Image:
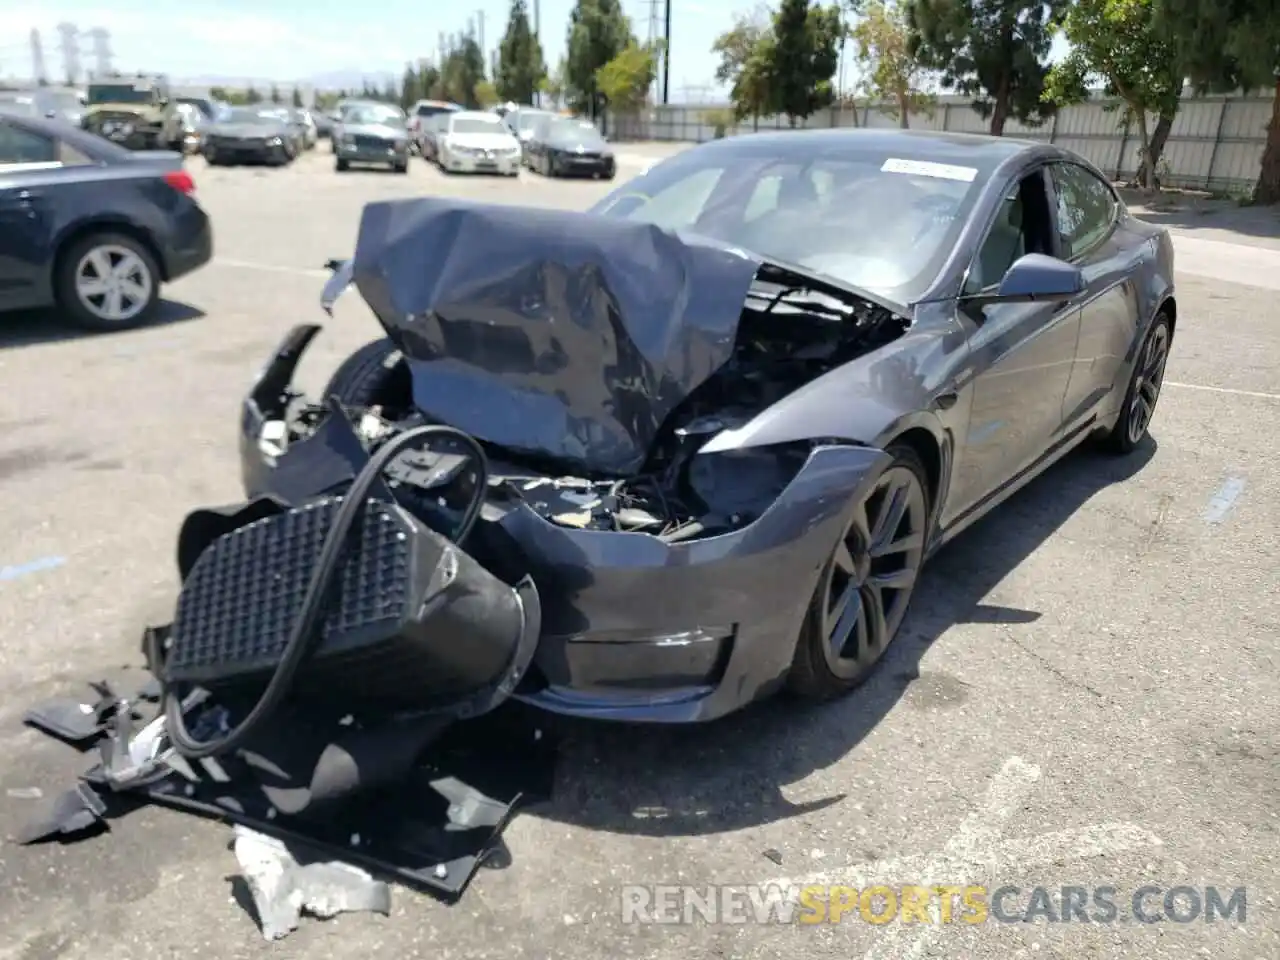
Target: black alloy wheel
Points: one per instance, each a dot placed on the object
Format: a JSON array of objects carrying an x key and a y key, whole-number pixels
[
  {"x": 1144, "y": 390},
  {"x": 866, "y": 587}
]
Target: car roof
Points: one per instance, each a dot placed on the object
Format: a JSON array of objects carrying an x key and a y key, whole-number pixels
[{"x": 478, "y": 115}]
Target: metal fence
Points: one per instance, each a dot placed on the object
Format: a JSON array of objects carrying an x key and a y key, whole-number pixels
[{"x": 1216, "y": 142}]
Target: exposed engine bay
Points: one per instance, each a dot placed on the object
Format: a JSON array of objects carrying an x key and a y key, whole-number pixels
[{"x": 792, "y": 330}]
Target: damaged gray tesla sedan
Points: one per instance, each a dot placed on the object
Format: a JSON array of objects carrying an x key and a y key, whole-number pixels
[{"x": 726, "y": 415}]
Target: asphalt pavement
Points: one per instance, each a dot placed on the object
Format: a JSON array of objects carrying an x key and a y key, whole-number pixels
[{"x": 1086, "y": 693}]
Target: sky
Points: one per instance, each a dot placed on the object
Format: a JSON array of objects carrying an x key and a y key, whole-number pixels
[{"x": 291, "y": 41}]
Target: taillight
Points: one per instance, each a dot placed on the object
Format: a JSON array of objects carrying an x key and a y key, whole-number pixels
[{"x": 181, "y": 181}]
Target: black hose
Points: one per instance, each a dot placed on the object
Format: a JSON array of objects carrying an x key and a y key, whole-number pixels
[{"x": 306, "y": 628}]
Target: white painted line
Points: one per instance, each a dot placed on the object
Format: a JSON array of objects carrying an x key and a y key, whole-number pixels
[
  {"x": 977, "y": 851},
  {"x": 1221, "y": 260},
  {"x": 267, "y": 267},
  {"x": 1227, "y": 390}
]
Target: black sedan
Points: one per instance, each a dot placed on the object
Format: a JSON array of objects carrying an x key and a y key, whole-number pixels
[
  {"x": 90, "y": 226},
  {"x": 568, "y": 147},
  {"x": 248, "y": 135},
  {"x": 720, "y": 421}
]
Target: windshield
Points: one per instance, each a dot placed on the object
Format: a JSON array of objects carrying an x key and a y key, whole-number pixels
[
  {"x": 204, "y": 106},
  {"x": 575, "y": 131},
  {"x": 121, "y": 93},
  {"x": 476, "y": 125},
  {"x": 431, "y": 109},
  {"x": 262, "y": 118},
  {"x": 879, "y": 223},
  {"x": 382, "y": 116},
  {"x": 528, "y": 120}
]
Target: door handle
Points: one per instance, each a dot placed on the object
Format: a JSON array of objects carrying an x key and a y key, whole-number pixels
[{"x": 946, "y": 400}]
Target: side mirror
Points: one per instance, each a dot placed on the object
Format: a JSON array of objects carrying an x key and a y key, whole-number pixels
[{"x": 1034, "y": 278}]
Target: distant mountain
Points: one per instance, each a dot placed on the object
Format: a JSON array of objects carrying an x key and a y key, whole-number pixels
[{"x": 345, "y": 79}]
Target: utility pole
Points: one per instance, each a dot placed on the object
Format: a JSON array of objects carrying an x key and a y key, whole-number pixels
[
  {"x": 666, "y": 58},
  {"x": 70, "y": 45},
  {"x": 480, "y": 38},
  {"x": 37, "y": 59}
]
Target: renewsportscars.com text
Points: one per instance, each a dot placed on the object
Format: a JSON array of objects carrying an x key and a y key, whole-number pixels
[{"x": 933, "y": 904}]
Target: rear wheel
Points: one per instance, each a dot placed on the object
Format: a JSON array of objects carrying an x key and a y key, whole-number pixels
[
  {"x": 107, "y": 281},
  {"x": 375, "y": 375},
  {"x": 342, "y": 166},
  {"x": 866, "y": 585},
  {"x": 1144, "y": 390}
]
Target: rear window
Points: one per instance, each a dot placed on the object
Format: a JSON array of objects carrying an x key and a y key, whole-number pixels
[{"x": 431, "y": 109}]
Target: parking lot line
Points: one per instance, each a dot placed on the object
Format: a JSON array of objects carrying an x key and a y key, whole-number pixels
[
  {"x": 267, "y": 267},
  {"x": 1231, "y": 391}
]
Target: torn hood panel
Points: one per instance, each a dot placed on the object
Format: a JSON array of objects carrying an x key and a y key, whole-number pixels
[{"x": 548, "y": 332}]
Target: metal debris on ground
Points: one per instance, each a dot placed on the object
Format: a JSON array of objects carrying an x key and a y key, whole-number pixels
[{"x": 284, "y": 889}]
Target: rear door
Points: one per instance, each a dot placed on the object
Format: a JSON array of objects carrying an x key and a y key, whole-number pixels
[
  {"x": 27, "y": 159},
  {"x": 1092, "y": 236}
]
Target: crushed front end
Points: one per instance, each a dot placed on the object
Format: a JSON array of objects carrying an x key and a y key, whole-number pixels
[{"x": 672, "y": 580}]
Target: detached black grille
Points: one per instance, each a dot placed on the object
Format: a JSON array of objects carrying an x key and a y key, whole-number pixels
[{"x": 243, "y": 595}]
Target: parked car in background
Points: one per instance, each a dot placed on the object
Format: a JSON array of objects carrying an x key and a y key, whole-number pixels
[
  {"x": 90, "y": 227},
  {"x": 477, "y": 142},
  {"x": 297, "y": 131},
  {"x": 429, "y": 134},
  {"x": 138, "y": 114},
  {"x": 193, "y": 125},
  {"x": 420, "y": 112},
  {"x": 372, "y": 133},
  {"x": 207, "y": 107},
  {"x": 311, "y": 135},
  {"x": 522, "y": 121},
  {"x": 569, "y": 147},
  {"x": 248, "y": 135},
  {"x": 323, "y": 120}
]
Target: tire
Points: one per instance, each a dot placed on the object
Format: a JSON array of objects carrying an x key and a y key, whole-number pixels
[
  {"x": 401, "y": 168},
  {"x": 116, "y": 247},
  {"x": 1144, "y": 387},
  {"x": 816, "y": 673},
  {"x": 341, "y": 166},
  {"x": 374, "y": 375}
]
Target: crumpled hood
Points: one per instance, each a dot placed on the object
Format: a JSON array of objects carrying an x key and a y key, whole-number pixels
[{"x": 549, "y": 332}]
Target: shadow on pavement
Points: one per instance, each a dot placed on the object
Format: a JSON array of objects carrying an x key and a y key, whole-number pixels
[
  {"x": 1190, "y": 211},
  {"x": 729, "y": 775},
  {"x": 29, "y": 327}
]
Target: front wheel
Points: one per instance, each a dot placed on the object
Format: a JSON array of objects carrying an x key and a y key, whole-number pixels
[
  {"x": 1144, "y": 390},
  {"x": 375, "y": 375},
  {"x": 866, "y": 586},
  {"x": 341, "y": 166}
]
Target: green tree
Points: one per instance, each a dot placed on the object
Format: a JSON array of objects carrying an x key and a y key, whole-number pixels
[
  {"x": 1123, "y": 43},
  {"x": 275, "y": 94},
  {"x": 598, "y": 32},
  {"x": 891, "y": 74},
  {"x": 805, "y": 55},
  {"x": 297, "y": 97},
  {"x": 486, "y": 94},
  {"x": 745, "y": 52},
  {"x": 520, "y": 69},
  {"x": 251, "y": 95},
  {"x": 625, "y": 80},
  {"x": 1227, "y": 45},
  {"x": 410, "y": 87},
  {"x": 462, "y": 72},
  {"x": 993, "y": 51},
  {"x": 428, "y": 81}
]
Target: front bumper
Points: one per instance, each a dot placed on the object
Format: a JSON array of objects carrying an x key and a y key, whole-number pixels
[
  {"x": 232, "y": 151},
  {"x": 633, "y": 628},
  {"x": 504, "y": 164},
  {"x": 373, "y": 154},
  {"x": 577, "y": 165}
]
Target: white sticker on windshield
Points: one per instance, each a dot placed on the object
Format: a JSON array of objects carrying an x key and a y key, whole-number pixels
[{"x": 923, "y": 168}]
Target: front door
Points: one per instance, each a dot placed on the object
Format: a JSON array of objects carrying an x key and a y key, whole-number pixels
[{"x": 1020, "y": 355}]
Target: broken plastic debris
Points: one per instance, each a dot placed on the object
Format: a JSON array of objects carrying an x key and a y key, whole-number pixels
[
  {"x": 573, "y": 519},
  {"x": 282, "y": 889}
]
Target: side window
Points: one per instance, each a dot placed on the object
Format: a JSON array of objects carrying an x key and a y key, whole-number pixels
[
  {"x": 69, "y": 156},
  {"x": 22, "y": 146},
  {"x": 1005, "y": 243},
  {"x": 1086, "y": 208}
]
